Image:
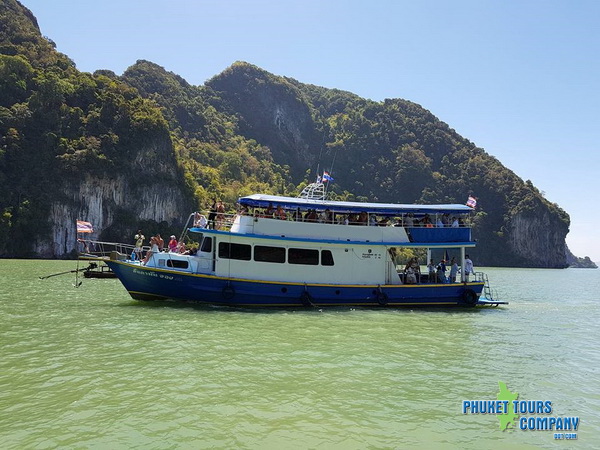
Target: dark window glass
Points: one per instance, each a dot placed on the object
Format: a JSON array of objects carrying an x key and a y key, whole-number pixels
[
  {"x": 177, "y": 264},
  {"x": 303, "y": 256},
  {"x": 326, "y": 258},
  {"x": 269, "y": 254},
  {"x": 206, "y": 245},
  {"x": 234, "y": 251}
]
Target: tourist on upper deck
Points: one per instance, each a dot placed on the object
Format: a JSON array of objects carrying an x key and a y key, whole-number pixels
[
  {"x": 269, "y": 211},
  {"x": 160, "y": 241},
  {"x": 363, "y": 218},
  {"x": 280, "y": 213},
  {"x": 220, "y": 215},
  {"x": 426, "y": 222},
  {"x": 200, "y": 220},
  {"x": 439, "y": 223},
  {"x": 212, "y": 215},
  {"x": 453, "y": 270},
  {"x": 409, "y": 221},
  {"x": 384, "y": 222},
  {"x": 446, "y": 220},
  {"x": 326, "y": 216},
  {"x": 297, "y": 216},
  {"x": 454, "y": 222}
]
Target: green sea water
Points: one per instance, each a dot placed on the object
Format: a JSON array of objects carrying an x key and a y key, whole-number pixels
[{"x": 89, "y": 367}]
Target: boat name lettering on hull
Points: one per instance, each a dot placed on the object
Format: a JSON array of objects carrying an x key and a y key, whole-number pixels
[{"x": 154, "y": 274}]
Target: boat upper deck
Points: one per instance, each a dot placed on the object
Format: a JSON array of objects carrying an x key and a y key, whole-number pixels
[
  {"x": 384, "y": 209},
  {"x": 280, "y": 217}
]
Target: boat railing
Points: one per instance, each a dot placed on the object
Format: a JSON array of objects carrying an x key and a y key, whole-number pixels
[
  {"x": 203, "y": 219},
  {"x": 92, "y": 249},
  {"x": 224, "y": 221}
]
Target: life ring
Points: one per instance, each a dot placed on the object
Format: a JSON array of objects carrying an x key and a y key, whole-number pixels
[
  {"x": 228, "y": 292},
  {"x": 382, "y": 297},
  {"x": 306, "y": 299},
  {"x": 469, "y": 298}
]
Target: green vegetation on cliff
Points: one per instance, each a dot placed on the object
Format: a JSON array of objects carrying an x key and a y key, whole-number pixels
[{"x": 244, "y": 131}]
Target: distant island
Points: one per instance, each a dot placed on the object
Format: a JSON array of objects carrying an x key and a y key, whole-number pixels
[
  {"x": 580, "y": 263},
  {"x": 146, "y": 148}
]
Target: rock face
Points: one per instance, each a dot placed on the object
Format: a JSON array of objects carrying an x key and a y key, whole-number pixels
[
  {"x": 271, "y": 111},
  {"x": 101, "y": 201},
  {"x": 537, "y": 240}
]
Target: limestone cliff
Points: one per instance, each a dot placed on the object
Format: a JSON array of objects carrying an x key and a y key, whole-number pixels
[
  {"x": 102, "y": 201},
  {"x": 537, "y": 240}
]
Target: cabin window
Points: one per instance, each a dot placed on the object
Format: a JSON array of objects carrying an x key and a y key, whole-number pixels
[
  {"x": 176, "y": 263},
  {"x": 269, "y": 254},
  {"x": 326, "y": 258},
  {"x": 206, "y": 245},
  {"x": 235, "y": 251},
  {"x": 303, "y": 256}
]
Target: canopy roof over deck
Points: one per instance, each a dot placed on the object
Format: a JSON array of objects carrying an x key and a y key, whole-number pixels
[{"x": 387, "y": 209}]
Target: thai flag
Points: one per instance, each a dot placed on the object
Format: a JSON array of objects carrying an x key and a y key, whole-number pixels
[
  {"x": 327, "y": 177},
  {"x": 472, "y": 201},
  {"x": 84, "y": 227}
]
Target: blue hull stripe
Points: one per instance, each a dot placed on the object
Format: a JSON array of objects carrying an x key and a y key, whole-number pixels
[
  {"x": 254, "y": 237},
  {"x": 146, "y": 283}
]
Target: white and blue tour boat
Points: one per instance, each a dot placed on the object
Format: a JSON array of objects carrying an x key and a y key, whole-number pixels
[{"x": 297, "y": 252}]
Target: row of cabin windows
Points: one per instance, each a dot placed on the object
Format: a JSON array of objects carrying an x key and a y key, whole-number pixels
[{"x": 265, "y": 253}]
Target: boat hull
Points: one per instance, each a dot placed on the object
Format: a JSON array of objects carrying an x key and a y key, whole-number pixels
[{"x": 146, "y": 283}]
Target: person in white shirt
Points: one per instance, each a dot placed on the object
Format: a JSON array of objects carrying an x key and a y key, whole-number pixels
[{"x": 469, "y": 269}]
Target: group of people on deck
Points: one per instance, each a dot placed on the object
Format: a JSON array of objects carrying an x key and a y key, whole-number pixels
[
  {"x": 360, "y": 218},
  {"x": 157, "y": 245},
  {"x": 441, "y": 221},
  {"x": 437, "y": 272}
]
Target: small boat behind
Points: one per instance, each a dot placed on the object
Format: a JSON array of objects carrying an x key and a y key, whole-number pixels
[{"x": 98, "y": 271}]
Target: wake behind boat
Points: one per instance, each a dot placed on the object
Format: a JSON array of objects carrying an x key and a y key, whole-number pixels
[{"x": 291, "y": 252}]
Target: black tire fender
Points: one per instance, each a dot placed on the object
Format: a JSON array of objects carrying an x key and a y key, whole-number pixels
[
  {"x": 382, "y": 297},
  {"x": 228, "y": 292},
  {"x": 469, "y": 298}
]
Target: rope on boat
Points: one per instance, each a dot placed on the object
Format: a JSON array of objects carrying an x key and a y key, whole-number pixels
[{"x": 91, "y": 266}]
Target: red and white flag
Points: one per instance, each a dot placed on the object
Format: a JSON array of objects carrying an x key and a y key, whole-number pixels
[{"x": 84, "y": 227}]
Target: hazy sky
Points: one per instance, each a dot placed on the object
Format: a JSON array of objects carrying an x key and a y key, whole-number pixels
[{"x": 518, "y": 78}]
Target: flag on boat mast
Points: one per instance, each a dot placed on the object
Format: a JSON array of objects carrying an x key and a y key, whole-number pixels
[
  {"x": 472, "y": 202},
  {"x": 327, "y": 177},
  {"x": 84, "y": 227}
]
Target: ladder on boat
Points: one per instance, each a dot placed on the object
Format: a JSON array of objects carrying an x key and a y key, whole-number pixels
[{"x": 487, "y": 290}]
